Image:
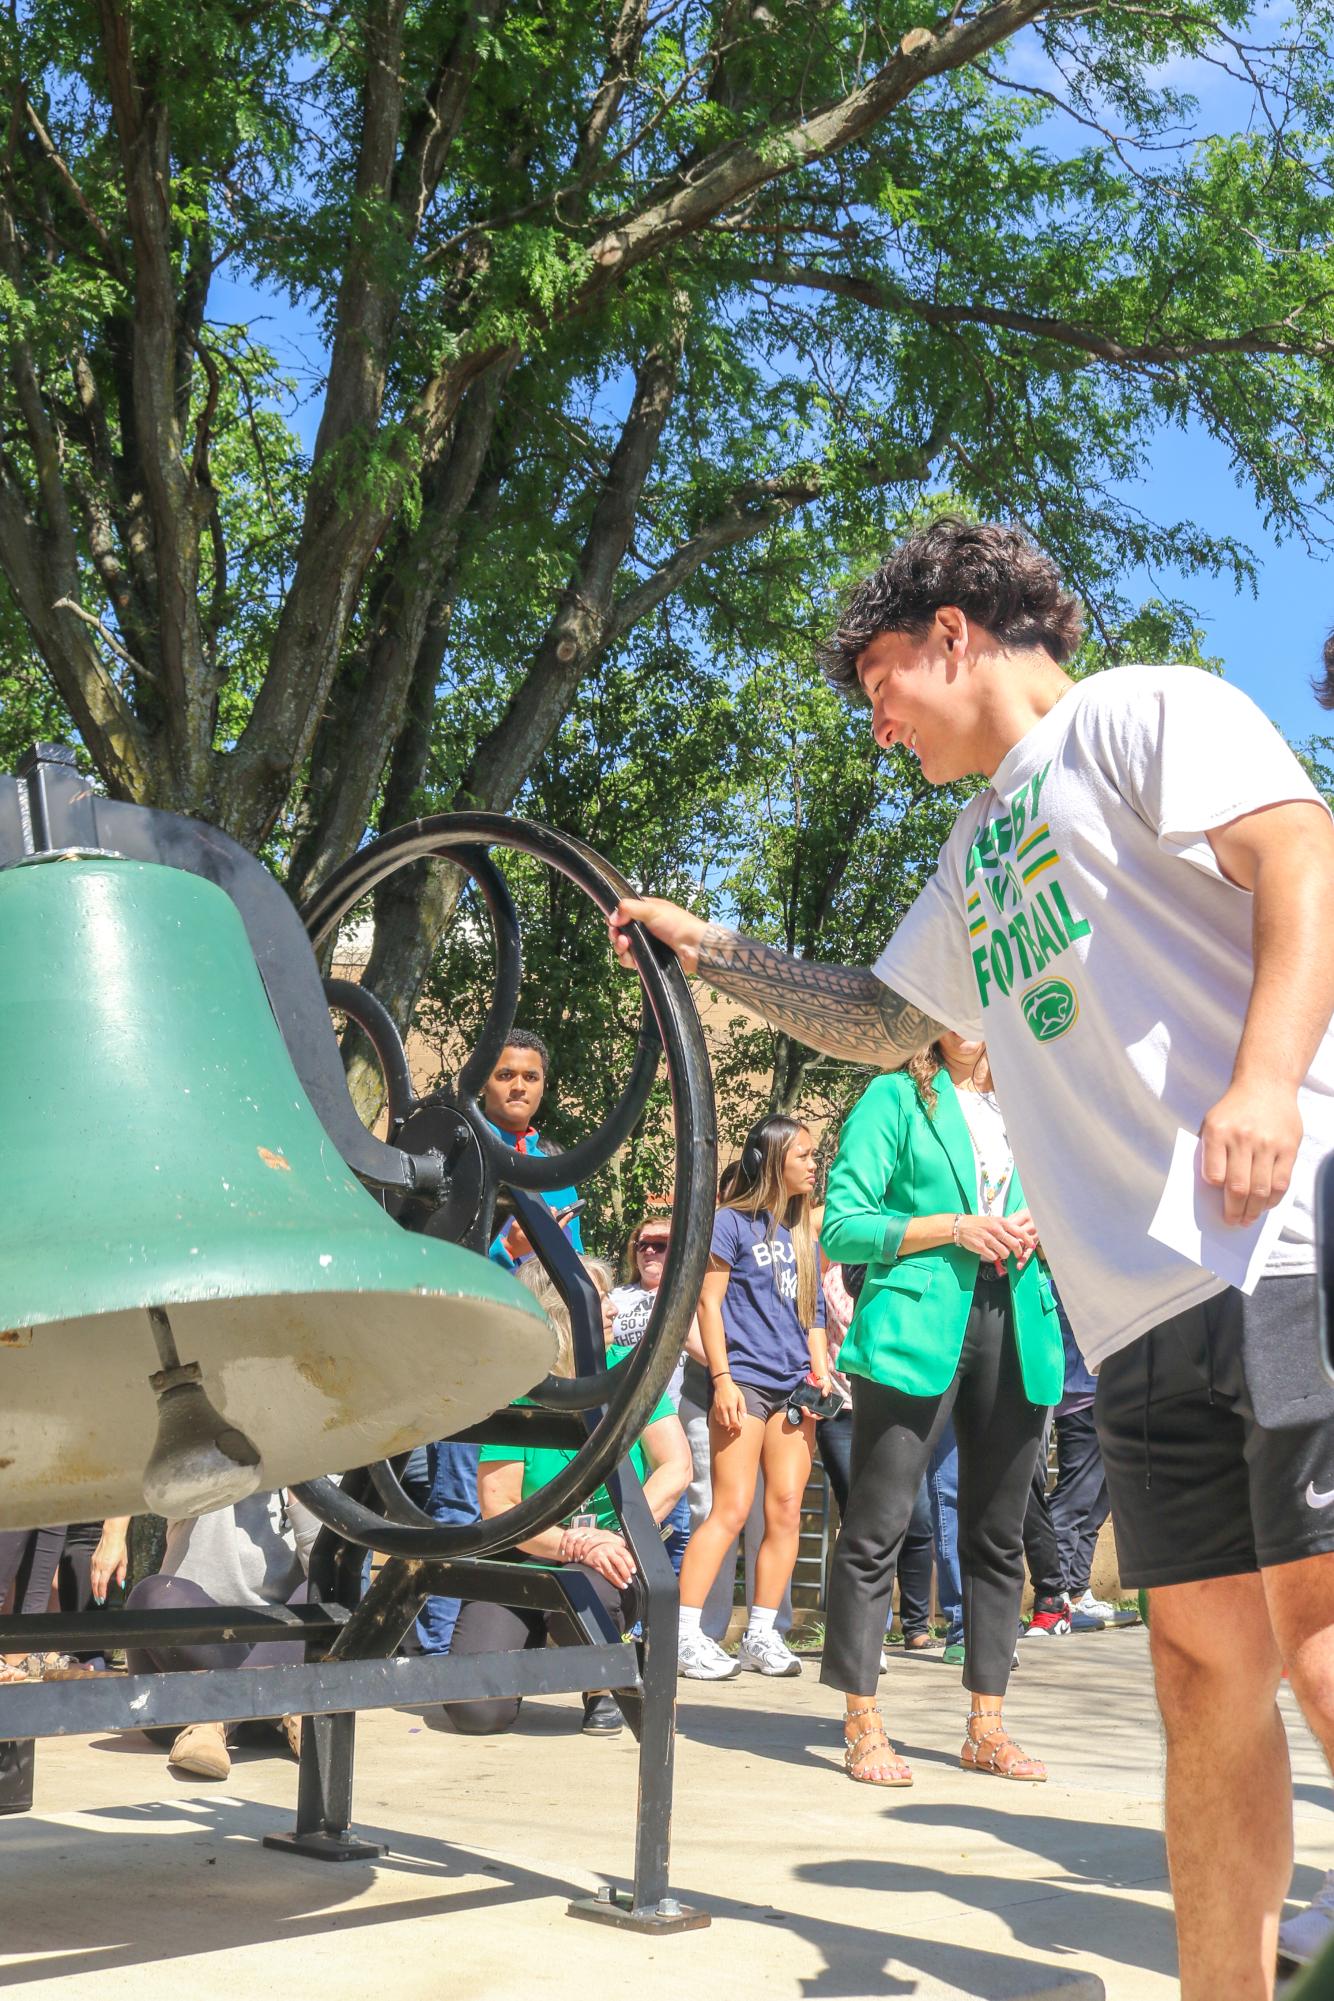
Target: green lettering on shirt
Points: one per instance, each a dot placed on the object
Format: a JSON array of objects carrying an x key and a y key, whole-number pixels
[
  {"x": 1075, "y": 927},
  {"x": 1030, "y": 959},
  {"x": 1050, "y": 941}
]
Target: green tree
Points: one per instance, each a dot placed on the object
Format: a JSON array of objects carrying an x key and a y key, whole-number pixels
[{"x": 606, "y": 297}]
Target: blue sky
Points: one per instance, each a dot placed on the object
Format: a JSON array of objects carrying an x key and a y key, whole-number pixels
[{"x": 1269, "y": 643}]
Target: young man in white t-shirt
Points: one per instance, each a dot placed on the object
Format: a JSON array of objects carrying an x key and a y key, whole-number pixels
[{"x": 1138, "y": 916}]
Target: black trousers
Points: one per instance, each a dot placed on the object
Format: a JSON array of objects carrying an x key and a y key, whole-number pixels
[
  {"x": 1041, "y": 1550},
  {"x": 484, "y": 1628},
  {"x": 1079, "y": 1503},
  {"x": 833, "y": 1435},
  {"x": 998, "y": 1431},
  {"x": 29, "y": 1559}
]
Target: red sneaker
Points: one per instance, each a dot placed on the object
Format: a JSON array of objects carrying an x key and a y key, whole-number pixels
[{"x": 1050, "y": 1615}]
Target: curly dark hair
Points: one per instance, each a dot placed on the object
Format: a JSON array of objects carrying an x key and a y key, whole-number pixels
[
  {"x": 528, "y": 1038},
  {"x": 1324, "y": 683},
  {"x": 994, "y": 574}
]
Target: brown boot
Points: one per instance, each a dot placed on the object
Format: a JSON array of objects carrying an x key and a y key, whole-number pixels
[
  {"x": 289, "y": 1729},
  {"x": 201, "y": 1748}
]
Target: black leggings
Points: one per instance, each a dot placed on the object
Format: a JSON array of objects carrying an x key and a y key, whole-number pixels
[
  {"x": 998, "y": 1430},
  {"x": 483, "y": 1628}
]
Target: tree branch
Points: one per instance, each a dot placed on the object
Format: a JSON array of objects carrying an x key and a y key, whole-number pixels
[
  {"x": 758, "y": 506},
  {"x": 622, "y": 54},
  {"x": 366, "y": 707},
  {"x": 28, "y": 557},
  {"x": 103, "y": 630},
  {"x": 884, "y": 297},
  {"x": 143, "y": 139},
  {"x": 577, "y": 633},
  {"x": 51, "y": 154},
  {"x": 436, "y": 125}
]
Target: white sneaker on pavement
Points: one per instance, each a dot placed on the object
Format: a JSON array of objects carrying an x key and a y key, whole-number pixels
[
  {"x": 1098, "y": 1609},
  {"x": 1302, "y": 1937},
  {"x": 701, "y": 1659},
  {"x": 767, "y": 1654}
]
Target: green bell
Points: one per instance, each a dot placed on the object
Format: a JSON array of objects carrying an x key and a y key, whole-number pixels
[{"x": 171, "y": 1207}]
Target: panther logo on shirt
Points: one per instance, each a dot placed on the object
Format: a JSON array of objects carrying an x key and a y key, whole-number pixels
[{"x": 1050, "y": 1008}]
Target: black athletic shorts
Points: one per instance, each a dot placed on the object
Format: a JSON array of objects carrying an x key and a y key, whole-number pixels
[{"x": 1217, "y": 1434}]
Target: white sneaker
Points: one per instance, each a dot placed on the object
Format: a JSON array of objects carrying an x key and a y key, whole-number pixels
[
  {"x": 1302, "y": 1937},
  {"x": 701, "y": 1659},
  {"x": 765, "y": 1653},
  {"x": 1099, "y": 1609},
  {"x": 1088, "y": 1614}
]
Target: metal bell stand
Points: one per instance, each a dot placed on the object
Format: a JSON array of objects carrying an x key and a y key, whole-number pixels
[{"x": 441, "y": 1172}]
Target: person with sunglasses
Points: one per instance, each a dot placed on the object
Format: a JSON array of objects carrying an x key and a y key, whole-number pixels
[{"x": 632, "y": 1302}]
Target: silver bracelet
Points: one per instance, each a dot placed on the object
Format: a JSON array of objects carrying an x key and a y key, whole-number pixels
[{"x": 954, "y": 1234}]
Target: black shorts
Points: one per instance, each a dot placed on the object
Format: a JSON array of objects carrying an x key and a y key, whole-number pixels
[
  {"x": 764, "y": 1403},
  {"x": 1217, "y": 1434}
]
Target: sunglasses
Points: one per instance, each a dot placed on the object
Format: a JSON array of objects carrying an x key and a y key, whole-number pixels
[{"x": 655, "y": 1246}]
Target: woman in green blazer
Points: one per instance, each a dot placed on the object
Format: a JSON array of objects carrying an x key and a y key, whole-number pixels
[{"x": 955, "y": 1318}]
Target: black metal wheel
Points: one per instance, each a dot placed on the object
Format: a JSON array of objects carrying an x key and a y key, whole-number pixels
[{"x": 612, "y": 1405}]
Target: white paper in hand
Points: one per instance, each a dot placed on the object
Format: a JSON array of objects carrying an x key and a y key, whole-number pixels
[{"x": 1189, "y": 1220}]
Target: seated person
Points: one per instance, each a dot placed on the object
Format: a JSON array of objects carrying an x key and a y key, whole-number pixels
[
  {"x": 509, "y": 1474},
  {"x": 255, "y": 1553}
]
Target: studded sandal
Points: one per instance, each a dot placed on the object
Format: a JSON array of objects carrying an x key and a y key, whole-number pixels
[
  {"x": 982, "y": 1751},
  {"x": 898, "y": 1772}
]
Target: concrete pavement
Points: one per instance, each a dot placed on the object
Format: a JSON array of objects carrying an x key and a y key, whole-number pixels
[{"x": 128, "y": 1882}]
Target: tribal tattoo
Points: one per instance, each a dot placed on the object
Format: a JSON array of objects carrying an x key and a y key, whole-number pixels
[{"x": 843, "y": 1010}]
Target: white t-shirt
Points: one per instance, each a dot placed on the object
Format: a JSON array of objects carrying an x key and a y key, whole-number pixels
[
  {"x": 633, "y": 1305},
  {"x": 991, "y": 1149},
  {"x": 1079, "y": 922}
]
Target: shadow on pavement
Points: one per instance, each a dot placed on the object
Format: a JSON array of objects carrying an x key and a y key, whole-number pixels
[{"x": 166, "y": 1912}]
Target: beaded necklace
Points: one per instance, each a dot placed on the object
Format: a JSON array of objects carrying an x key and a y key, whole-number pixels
[{"x": 989, "y": 1186}]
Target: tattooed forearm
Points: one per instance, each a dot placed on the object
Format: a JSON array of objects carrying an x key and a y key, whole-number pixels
[{"x": 843, "y": 1010}]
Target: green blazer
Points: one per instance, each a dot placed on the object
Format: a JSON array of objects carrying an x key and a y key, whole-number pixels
[{"x": 894, "y": 1163}]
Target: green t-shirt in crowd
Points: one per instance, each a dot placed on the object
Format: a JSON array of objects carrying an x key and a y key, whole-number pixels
[{"x": 541, "y": 1463}]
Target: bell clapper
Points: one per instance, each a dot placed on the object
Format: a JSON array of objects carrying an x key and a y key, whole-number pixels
[{"x": 200, "y": 1461}]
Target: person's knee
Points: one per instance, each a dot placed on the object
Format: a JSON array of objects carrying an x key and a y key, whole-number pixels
[
  {"x": 150, "y": 1594},
  {"x": 1211, "y": 1653},
  {"x": 1301, "y": 1604},
  {"x": 782, "y": 1510},
  {"x": 982, "y": 1553},
  {"x": 730, "y": 1512},
  {"x": 1312, "y": 1679}
]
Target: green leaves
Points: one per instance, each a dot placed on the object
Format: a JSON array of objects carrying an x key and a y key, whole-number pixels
[{"x": 1001, "y": 295}]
